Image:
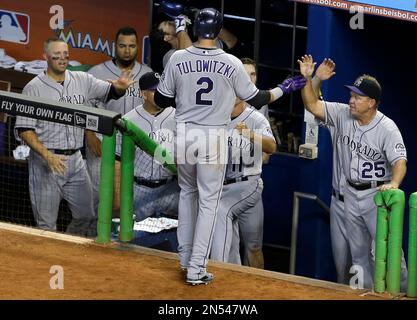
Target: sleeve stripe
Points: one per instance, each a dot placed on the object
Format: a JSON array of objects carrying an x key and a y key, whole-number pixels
[
  {"x": 251, "y": 96},
  {"x": 165, "y": 94},
  {"x": 398, "y": 158}
]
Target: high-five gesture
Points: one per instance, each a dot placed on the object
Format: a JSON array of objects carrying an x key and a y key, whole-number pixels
[
  {"x": 124, "y": 82},
  {"x": 326, "y": 69},
  {"x": 306, "y": 65}
]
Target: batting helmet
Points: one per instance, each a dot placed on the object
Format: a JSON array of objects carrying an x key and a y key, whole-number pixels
[
  {"x": 208, "y": 23},
  {"x": 171, "y": 9}
]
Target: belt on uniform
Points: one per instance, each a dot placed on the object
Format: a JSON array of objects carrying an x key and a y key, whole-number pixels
[
  {"x": 337, "y": 195},
  {"x": 67, "y": 152},
  {"x": 151, "y": 183},
  {"x": 366, "y": 186},
  {"x": 229, "y": 181}
]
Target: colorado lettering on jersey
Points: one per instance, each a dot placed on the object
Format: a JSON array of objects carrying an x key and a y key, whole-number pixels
[
  {"x": 162, "y": 136},
  {"x": 206, "y": 66},
  {"x": 75, "y": 99},
  {"x": 240, "y": 143},
  {"x": 133, "y": 92},
  {"x": 364, "y": 150}
]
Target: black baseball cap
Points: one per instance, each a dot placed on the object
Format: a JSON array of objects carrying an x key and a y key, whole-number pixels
[
  {"x": 367, "y": 86},
  {"x": 149, "y": 81}
]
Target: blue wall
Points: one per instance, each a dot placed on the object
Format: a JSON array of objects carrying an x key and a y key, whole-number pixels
[{"x": 384, "y": 49}]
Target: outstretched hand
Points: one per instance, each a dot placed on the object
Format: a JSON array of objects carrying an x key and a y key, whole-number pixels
[
  {"x": 125, "y": 81},
  {"x": 306, "y": 65},
  {"x": 326, "y": 69},
  {"x": 292, "y": 84}
]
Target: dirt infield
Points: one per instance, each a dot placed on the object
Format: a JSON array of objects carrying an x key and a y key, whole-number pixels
[{"x": 104, "y": 272}]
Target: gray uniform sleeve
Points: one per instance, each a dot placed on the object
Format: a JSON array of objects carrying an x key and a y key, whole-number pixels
[
  {"x": 394, "y": 146},
  {"x": 334, "y": 112},
  {"x": 265, "y": 128},
  {"x": 166, "y": 84},
  {"x": 24, "y": 122},
  {"x": 97, "y": 89},
  {"x": 244, "y": 88}
]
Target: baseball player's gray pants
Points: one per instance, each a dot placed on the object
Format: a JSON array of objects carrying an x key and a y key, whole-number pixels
[
  {"x": 154, "y": 201},
  {"x": 93, "y": 168},
  {"x": 47, "y": 189},
  {"x": 235, "y": 203},
  {"x": 201, "y": 165},
  {"x": 251, "y": 227},
  {"x": 360, "y": 225},
  {"x": 339, "y": 239}
]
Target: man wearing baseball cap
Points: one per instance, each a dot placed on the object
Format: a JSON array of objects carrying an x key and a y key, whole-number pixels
[
  {"x": 156, "y": 190},
  {"x": 367, "y": 86},
  {"x": 373, "y": 158}
]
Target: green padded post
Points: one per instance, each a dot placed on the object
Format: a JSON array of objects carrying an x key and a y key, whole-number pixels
[
  {"x": 105, "y": 207},
  {"x": 381, "y": 244},
  {"x": 394, "y": 202},
  {"x": 126, "y": 188},
  {"x": 412, "y": 248}
]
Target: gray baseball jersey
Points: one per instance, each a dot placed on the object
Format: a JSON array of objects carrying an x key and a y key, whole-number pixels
[
  {"x": 170, "y": 52},
  {"x": 132, "y": 98},
  {"x": 205, "y": 83},
  {"x": 367, "y": 154},
  {"x": 264, "y": 110},
  {"x": 164, "y": 199},
  {"x": 47, "y": 188},
  {"x": 239, "y": 199},
  {"x": 244, "y": 158},
  {"x": 78, "y": 88}
]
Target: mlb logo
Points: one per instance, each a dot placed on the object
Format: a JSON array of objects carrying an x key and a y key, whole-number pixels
[{"x": 14, "y": 27}]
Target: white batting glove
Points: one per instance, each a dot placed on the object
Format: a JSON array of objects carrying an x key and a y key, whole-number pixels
[{"x": 181, "y": 23}]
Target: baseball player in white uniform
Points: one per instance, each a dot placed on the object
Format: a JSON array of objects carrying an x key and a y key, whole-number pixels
[
  {"x": 203, "y": 81},
  {"x": 373, "y": 157},
  {"x": 156, "y": 189},
  {"x": 125, "y": 60},
  {"x": 56, "y": 167},
  {"x": 251, "y": 135},
  {"x": 338, "y": 234}
]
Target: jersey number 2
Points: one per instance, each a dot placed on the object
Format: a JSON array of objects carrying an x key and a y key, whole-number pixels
[{"x": 198, "y": 99}]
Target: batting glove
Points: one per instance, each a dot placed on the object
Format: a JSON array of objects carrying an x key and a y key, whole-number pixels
[
  {"x": 293, "y": 84},
  {"x": 181, "y": 23}
]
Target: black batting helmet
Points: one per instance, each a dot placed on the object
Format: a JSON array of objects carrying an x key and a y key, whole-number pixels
[{"x": 208, "y": 23}]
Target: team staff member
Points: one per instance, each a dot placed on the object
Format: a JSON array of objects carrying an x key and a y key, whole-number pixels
[
  {"x": 373, "y": 157},
  {"x": 125, "y": 61},
  {"x": 56, "y": 167},
  {"x": 156, "y": 189},
  {"x": 203, "y": 82}
]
